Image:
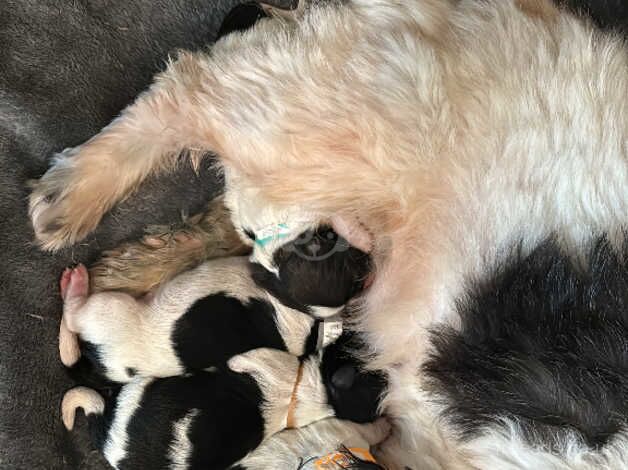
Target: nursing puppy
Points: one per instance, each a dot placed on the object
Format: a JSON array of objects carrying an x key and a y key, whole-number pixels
[
  {"x": 206, "y": 420},
  {"x": 207, "y": 315},
  {"x": 454, "y": 133},
  {"x": 304, "y": 448}
]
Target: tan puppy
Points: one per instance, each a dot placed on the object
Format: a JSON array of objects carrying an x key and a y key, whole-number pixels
[{"x": 448, "y": 130}]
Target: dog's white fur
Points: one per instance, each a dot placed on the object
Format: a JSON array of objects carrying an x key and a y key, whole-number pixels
[
  {"x": 276, "y": 372},
  {"x": 452, "y": 130},
  {"x": 291, "y": 447},
  {"x": 503, "y": 447},
  {"x": 137, "y": 333}
]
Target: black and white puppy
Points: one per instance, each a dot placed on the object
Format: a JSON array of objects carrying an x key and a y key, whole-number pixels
[
  {"x": 206, "y": 420},
  {"x": 207, "y": 315},
  {"x": 213, "y": 418}
]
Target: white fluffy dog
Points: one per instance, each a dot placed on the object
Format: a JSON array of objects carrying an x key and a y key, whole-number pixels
[{"x": 445, "y": 133}]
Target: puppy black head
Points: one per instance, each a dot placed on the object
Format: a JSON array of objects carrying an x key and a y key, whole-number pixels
[
  {"x": 318, "y": 268},
  {"x": 353, "y": 393}
]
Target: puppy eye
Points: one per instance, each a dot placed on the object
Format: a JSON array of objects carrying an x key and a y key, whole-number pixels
[{"x": 249, "y": 233}]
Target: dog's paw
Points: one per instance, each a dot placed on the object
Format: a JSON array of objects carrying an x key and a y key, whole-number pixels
[{"x": 60, "y": 206}]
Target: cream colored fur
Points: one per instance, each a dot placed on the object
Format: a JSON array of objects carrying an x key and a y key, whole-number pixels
[
  {"x": 289, "y": 448},
  {"x": 451, "y": 129},
  {"x": 276, "y": 373}
]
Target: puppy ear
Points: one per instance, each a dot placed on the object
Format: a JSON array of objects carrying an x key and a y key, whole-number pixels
[{"x": 353, "y": 231}]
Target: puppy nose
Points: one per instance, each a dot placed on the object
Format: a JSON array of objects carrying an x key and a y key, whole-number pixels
[{"x": 343, "y": 378}]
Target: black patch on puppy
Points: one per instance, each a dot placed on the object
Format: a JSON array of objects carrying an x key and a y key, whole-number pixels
[
  {"x": 241, "y": 18},
  {"x": 90, "y": 366},
  {"x": 218, "y": 327},
  {"x": 228, "y": 420},
  {"x": 319, "y": 268},
  {"x": 353, "y": 393},
  {"x": 87, "y": 373},
  {"x": 250, "y": 234},
  {"x": 541, "y": 342},
  {"x": 311, "y": 343}
]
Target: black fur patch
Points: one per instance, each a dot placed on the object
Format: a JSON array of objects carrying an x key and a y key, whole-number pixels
[
  {"x": 229, "y": 422},
  {"x": 353, "y": 393},
  {"x": 90, "y": 353},
  {"x": 218, "y": 327},
  {"x": 241, "y": 18},
  {"x": 311, "y": 343},
  {"x": 542, "y": 342},
  {"x": 607, "y": 14},
  {"x": 319, "y": 268},
  {"x": 99, "y": 425},
  {"x": 250, "y": 234}
]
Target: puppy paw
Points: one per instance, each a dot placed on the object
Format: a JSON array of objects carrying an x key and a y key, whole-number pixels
[
  {"x": 90, "y": 401},
  {"x": 77, "y": 284},
  {"x": 376, "y": 432},
  {"x": 69, "y": 349},
  {"x": 64, "y": 282},
  {"x": 74, "y": 287}
]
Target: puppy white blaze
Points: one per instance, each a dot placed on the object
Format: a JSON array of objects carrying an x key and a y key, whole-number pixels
[
  {"x": 127, "y": 404},
  {"x": 181, "y": 446}
]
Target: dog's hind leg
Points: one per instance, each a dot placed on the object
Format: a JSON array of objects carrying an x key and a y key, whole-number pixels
[
  {"x": 138, "y": 267},
  {"x": 69, "y": 200}
]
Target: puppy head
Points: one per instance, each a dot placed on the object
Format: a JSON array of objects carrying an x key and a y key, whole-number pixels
[
  {"x": 296, "y": 255},
  {"x": 353, "y": 393},
  {"x": 318, "y": 272}
]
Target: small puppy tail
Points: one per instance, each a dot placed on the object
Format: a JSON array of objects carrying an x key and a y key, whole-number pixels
[
  {"x": 89, "y": 400},
  {"x": 69, "y": 348}
]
